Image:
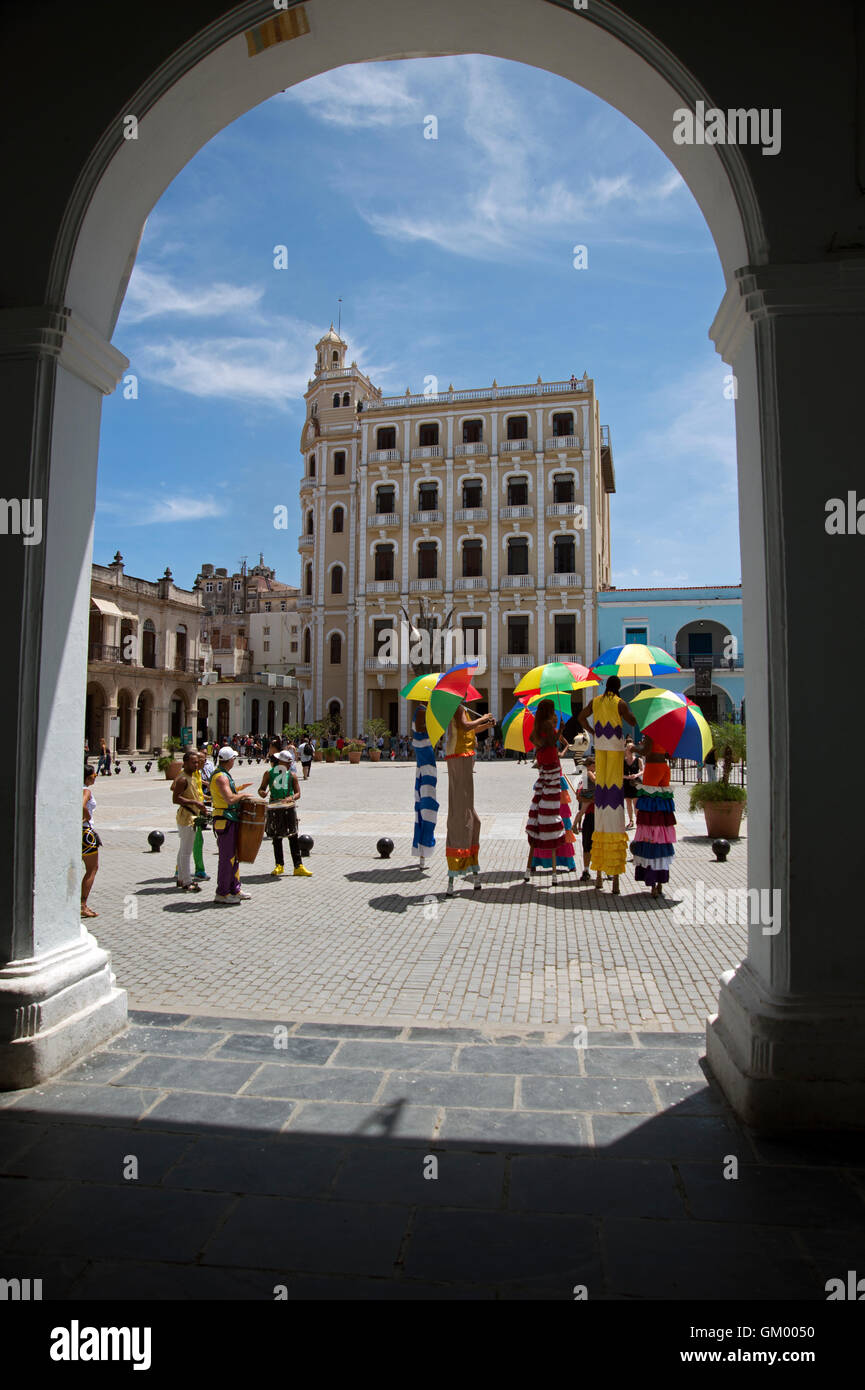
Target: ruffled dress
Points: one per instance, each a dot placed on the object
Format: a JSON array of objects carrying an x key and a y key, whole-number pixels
[{"x": 654, "y": 843}]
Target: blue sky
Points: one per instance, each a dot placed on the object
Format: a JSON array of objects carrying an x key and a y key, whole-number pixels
[{"x": 454, "y": 258}]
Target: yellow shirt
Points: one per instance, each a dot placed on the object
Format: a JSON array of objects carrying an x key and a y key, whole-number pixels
[
  {"x": 460, "y": 742},
  {"x": 194, "y": 792}
]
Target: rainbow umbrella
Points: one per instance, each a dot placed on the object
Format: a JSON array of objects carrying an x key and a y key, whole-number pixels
[
  {"x": 561, "y": 702},
  {"x": 553, "y": 678},
  {"x": 420, "y": 688},
  {"x": 674, "y": 722},
  {"x": 519, "y": 722},
  {"x": 635, "y": 660},
  {"x": 446, "y": 696}
]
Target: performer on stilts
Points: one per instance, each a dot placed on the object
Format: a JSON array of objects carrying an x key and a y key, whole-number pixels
[
  {"x": 426, "y": 807},
  {"x": 610, "y": 840},
  {"x": 551, "y": 840},
  {"x": 654, "y": 844},
  {"x": 464, "y": 826}
]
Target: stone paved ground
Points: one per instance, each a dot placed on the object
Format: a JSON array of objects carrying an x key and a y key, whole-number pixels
[
  {"x": 369, "y": 939},
  {"x": 304, "y": 1156}
]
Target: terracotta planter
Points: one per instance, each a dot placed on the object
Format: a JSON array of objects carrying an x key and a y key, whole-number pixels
[
  {"x": 330, "y": 755},
  {"x": 375, "y": 755},
  {"x": 173, "y": 770},
  {"x": 318, "y": 756},
  {"x": 354, "y": 755},
  {"x": 723, "y": 819}
]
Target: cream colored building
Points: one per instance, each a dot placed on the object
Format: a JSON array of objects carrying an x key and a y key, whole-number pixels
[
  {"x": 493, "y": 502},
  {"x": 143, "y": 661}
]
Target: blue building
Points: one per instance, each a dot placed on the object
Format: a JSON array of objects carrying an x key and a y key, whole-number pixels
[{"x": 700, "y": 626}]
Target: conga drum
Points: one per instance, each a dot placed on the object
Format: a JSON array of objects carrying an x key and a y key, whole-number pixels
[{"x": 250, "y": 831}]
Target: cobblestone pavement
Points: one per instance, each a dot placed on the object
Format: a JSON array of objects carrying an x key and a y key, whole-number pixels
[
  {"x": 204, "y": 1157},
  {"x": 372, "y": 939}
]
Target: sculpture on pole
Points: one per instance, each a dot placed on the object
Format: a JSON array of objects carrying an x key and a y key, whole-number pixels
[{"x": 427, "y": 638}]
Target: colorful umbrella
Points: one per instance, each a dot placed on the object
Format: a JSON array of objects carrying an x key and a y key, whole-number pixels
[
  {"x": 635, "y": 661},
  {"x": 446, "y": 696},
  {"x": 674, "y": 722},
  {"x": 420, "y": 687},
  {"x": 519, "y": 722},
  {"x": 555, "y": 677},
  {"x": 561, "y": 702}
]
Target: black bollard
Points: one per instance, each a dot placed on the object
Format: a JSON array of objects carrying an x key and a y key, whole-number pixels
[
  {"x": 385, "y": 847},
  {"x": 305, "y": 844},
  {"x": 721, "y": 848},
  {"x": 155, "y": 839}
]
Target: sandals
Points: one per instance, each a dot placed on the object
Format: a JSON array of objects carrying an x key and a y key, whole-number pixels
[{"x": 88, "y": 911}]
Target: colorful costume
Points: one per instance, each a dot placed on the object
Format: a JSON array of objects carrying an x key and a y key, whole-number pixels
[
  {"x": 426, "y": 807},
  {"x": 610, "y": 840},
  {"x": 225, "y": 826},
  {"x": 281, "y": 821},
  {"x": 549, "y": 823},
  {"x": 653, "y": 846},
  {"x": 464, "y": 825}
]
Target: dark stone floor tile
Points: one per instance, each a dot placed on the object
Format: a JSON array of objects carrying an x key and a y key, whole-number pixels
[
  {"x": 519, "y": 1039},
  {"x": 402, "y": 1056},
  {"x": 445, "y": 1035},
  {"x": 239, "y": 1025},
  {"x": 97, "y": 1105},
  {"x": 349, "y": 1030},
  {"x": 643, "y": 1061},
  {"x": 693, "y": 1259},
  {"x": 764, "y": 1196},
  {"x": 504, "y": 1248},
  {"x": 166, "y": 1042},
  {"x": 157, "y": 1018},
  {"x": 690, "y": 1097},
  {"x": 376, "y": 1121},
  {"x": 680, "y": 1040},
  {"x": 21, "y": 1203},
  {"x": 110, "y": 1280},
  {"x": 315, "y": 1083},
  {"x": 507, "y": 1129},
  {"x": 542, "y": 1061},
  {"x": 389, "y": 1174},
  {"x": 450, "y": 1088},
  {"x": 124, "y": 1223},
  {"x": 58, "y": 1276},
  {"x": 259, "y": 1047},
  {"x": 586, "y": 1093},
  {"x": 186, "y": 1074},
  {"x": 597, "y": 1037},
  {"x": 101, "y": 1067},
  {"x": 267, "y": 1166},
  {"x": 98, "y": 1153},
  {"x": 189, "y": 1110},
  {"x": 833, "y": 1254},
  {"x": 844, "y": 1150},
  {"x": 315, "y": 1237},
  {"x": 593, "y": 1187},
  {"x": 15, "y": 1140},
  {"x": 668, "y": 1137}
]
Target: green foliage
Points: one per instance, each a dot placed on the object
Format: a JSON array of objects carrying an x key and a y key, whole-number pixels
[
  {"x": 164, "y": 763},
  {"x": 376, "y": 728},
  {"x": 730, "y": 745},
  {"x": 172, "y": 744},
  {"x": 293, "y": 732},
  {"x": 702, "y": 792}
]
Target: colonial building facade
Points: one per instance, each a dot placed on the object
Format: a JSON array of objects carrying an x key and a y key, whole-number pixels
[
  {"x": 143, "y": 662},
  {"x": 492, "y": 503}
]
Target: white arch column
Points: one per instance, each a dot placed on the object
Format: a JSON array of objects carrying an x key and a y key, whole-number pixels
[{"x": 57, "y": 993}]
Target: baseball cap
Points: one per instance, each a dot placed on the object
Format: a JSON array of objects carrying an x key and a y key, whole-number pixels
[
  {"x": 284, "y": 757},
  {"x": 226, "y": 753}
]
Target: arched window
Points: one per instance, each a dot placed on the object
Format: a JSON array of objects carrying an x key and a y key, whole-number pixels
[
  {"x": 427, "y": 560},
  {"x": 473, "y": 559},
  {"x": 518, "y": 427},
  {"x": 335, "y": 399},
  {"x": 309, "y": 524},
  {"x": 336, "y": 579},
  {"x": 180, "y": 648},
  {"x": 307, "y": 647},
  {"x": 338, "y": 518},
  {"x": 253, "y": 717},
  {"x": 428, "y": 436},
  {"x": 518, "y": 492},
  {"x": 564, "y": 561},
  {"x": 563, "y": 487},
  {"x": 339, "y": 462},
  {"x": 335, "y": 359},
  {"x": 312, "y": 465},
  {"x": 473, "y": 431},
  {"x": 563, "y": 423},
  {"x": 385, "y": 438},
  {"x": 148, "y": 644},
  {"x": 346, "y": 399},
  {"x": 473, "y": 492},
  {"x": 518, "y": 555},
  {"x": 428, "y": 497},
  {"x": 307, "y": 587},
  {"x": 335, "y": 649},
  {"x": 385, "y": 499},
  {"x": 384, "y": 562}
]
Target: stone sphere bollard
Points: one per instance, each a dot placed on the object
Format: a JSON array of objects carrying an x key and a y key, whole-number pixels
[
  {"x": 155, "y": 839},
  {"x": 720, "y": 849},
  {"x": 305, "y": 844},
  {"x": 385, "y": 847},
  {"x": 148, "y": 766}
]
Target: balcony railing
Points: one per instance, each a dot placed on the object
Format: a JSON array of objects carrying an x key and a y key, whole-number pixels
[
  {"x": 303, "y": 668},
  {"x": 472, "y": 450},
  {"x": 564, "y": 581},
  {"x": 523, "y": 512},
  {"x": 720, "y": 662},
  {"x": 304, "y": 600},
  {"x": 563, "y": 441},
  {"x": 100, "y": 651},
  {"x": 517, "y": 581},
  {"x": 383, "y": 519},
  {"x": 605, "y": 436},
  {"x": 482, "y": 393},
  {"x": 380, "y": 663},
  {"x": 517, "y": 661},
  {"x": 471, "y": 514},
  {"x": 565, "y": 509},
  {"x": 306, "y": 483},
  {"x": 385, "y": 456},
  {"x": 383, "y": 586},
  {"x": 191, "y": 666},
  {"x": 427, "y": 518},
  {"x": 425, "y": 586},
  {"x": 305, "y": 542},
  {"x": 567, "y": 656},
  {"x": 428, "y": 451},
  {"x": 517, "y": 446},
  {"x": 471, "y": 581}
]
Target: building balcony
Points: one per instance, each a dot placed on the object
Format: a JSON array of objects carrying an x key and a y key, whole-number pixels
[
  {"x": 428, "y": 451},
  {"x": 471, "y": 514},
  {"x": 427, "y": 518},
  {"x": 305, "y": 542},
  {"x": 565, "y": 509},
  {"x": 303, "y": 669},
  {"x": 574, "y": 657},
  {"x": 563, "y": 441},
  {"x": 517, "y": 581},
  {"x": 100, "y": 651},
  {"x": 304, "y": 601},
  {"x": 307, "y": 484},
  {"x": 472, "y": 450},
  {"x": 426, "y": 586},
  {"x": 378, "y": 663},
  {"x": 516, "y": 661},
  {"x": 525, "y": 512},
  {"x": 720, "y": 662},
  {"x": 384, "y": 456},
  {"x": 517, "y": 446},
  {"x": 383, "y": 586},
  {"x": 564, "y": 581},
  {"x": 471, "y": 581},
  {"x": 188, "y": 666},
  {"x": 377, "y": 519}
]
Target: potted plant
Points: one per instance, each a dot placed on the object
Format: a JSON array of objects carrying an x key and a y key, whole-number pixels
[
  {"x": 723, "y": 804},
  {"x": 171, "y": 766},
  {"x": 353, "y": 750},
  {"x": 316, "y": 732},
  {"x": 376, "y": 728}
]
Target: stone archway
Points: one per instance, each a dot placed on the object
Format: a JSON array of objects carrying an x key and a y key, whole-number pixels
[
  {"x": 124, "y": 713},
  {"x": 96, "y": 717}
]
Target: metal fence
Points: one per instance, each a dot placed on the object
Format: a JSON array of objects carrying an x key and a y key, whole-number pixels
[{"x": 685, "y": 770}]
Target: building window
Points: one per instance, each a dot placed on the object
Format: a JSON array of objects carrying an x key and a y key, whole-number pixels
[
  {"x": 385, "y": 500},
  {"x": 267, "y": 607},
  {"x": 307, "y": 586},
  {"x": 266, "y": 646},
  {"x": 428, "y": 497},
  {"x": 428, "y": 436},
  {"x": 339, "y": 462},
  {"x": 335, "y": 359},
  {"x": 312, "y": 465},
  {"x": 335, "y": 649},
  {"x": 473, "y": 559},
  {"x": 563, "y": 423},
  {"x": 307, "y": 647},
  {"x": 382, "y": 630},
  {"x": 471, "y": 628},
  {"x": 266, "y": 631},
  {"x": 237, "y": 586},
  {"x": 338, "y": 518},
  {"x": 473, "y": 493},
  {"x": 346, "y": 398},
  {"x": 336, "y": 579},
  {"x": 518, "y": 492},
  {"x": 427, "y": 560},
  {"x": 384, "y": 562},
  {"x": 385, "y": 438},
  {"x": 563, "y": 555},
  {"x": 565, "y": 633},
  {"x": 148, "y": 644},
  {"x": 219, "y": 588},
  {"x": 310, "y": 525},
  {"x": 282, "y": 606},
  {"x": 473, "y": 431},
  {"x": 563, "y": 487},
  {"x": 636, "y": 634},
  {"x": 293, "y": 647},
  {"x": 208, "y": 588},
  {"x": 518, "y": 555},
  {"x": 518, "y": 636},
  {"x": 335, "y": 399},
  {"x": 518, "y": 427}
]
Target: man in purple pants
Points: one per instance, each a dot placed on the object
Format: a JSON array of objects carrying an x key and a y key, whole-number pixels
[{"x": 224, "y": 797}]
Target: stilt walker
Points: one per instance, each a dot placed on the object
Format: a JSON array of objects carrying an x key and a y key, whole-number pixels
[
  {"x": 464, "y": 824},
  {"x": 610, "y": 840},
  {"x": 426, "y": 807}
]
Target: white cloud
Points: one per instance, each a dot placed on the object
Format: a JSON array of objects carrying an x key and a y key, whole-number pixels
[
  {"x": 271, "y": 370},
  {"x": 178, "y": 507},
  {"x": 153, "y": 294},
  {"x": 361, "y": 95}
]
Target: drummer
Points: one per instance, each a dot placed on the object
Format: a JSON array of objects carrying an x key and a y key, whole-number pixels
[
  {"x": 283, "y": 786},
  {"x": 225, "y": 797}
]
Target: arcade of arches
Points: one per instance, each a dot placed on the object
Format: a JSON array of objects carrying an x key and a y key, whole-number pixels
[{"x": 787, "y": 1042}]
